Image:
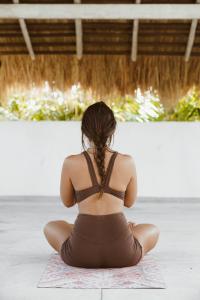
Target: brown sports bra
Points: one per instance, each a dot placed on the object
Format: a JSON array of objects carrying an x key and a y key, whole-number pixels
[{"x": 80, "y": 195}]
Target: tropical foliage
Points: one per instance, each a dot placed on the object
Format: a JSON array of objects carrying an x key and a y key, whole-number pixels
[
  {"x": 45, "y": 104},
  {"x": 187, "y": 109}
]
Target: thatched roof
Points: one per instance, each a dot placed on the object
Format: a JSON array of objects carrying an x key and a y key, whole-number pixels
[{"x": 106, "y": 65}]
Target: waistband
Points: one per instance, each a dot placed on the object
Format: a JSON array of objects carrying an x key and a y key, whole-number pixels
[
  {"x": 101, "y": 228},
  {"x": 112, "y": 215}
]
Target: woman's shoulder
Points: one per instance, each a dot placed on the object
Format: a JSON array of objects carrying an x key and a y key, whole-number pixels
[
  {"x": 77, "y": 156},
  {"x": 126, "y": 156}
]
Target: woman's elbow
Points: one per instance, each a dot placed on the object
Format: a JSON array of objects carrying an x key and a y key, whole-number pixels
[
  {"x": 67, "y": 203},
  {"x": 129, "y": 203}
]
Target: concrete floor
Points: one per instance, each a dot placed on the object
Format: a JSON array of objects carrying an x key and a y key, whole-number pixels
[{"x": 24, "y": 251}]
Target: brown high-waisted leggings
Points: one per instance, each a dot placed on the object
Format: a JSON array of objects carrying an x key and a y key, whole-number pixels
[{"x": 101, "y": 241}]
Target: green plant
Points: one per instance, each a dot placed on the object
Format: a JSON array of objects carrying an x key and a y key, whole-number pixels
[
  {"x": 187, "y": 109},
  {"x": 47, "y": 104}
]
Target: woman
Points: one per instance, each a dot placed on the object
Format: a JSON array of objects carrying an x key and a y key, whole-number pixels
[{"x": 101, "y": 181}]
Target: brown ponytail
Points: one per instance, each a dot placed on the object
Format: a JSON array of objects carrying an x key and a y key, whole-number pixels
[{"x": 98, "y": 124}]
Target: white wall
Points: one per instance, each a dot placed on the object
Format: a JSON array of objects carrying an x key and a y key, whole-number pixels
[{"x": 167, "y": 156}]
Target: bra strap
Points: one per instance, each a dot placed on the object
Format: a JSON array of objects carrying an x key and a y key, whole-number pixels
[
  {"x": 110, "y": 167},
  {"x": 91, "y": 168}
]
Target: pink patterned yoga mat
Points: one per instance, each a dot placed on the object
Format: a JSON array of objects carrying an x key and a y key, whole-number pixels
[{"x": 146, "y": 274}]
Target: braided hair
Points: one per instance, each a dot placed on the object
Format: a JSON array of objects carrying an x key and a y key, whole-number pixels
[{"x": 98, "y": 125}]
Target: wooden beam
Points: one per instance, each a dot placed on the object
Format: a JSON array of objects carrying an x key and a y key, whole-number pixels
[
  {"x": 39, "y": 34},
  {"x": 117, "y": 26},
  {"x": 105, "y": 43},
  {"x": 26, "y": 38},
  {"x": 99, "y": 25},
  {"x": 90, "y": 52},
  {"x": 100, "y": 11},
  {"x": 135, "y": 37},
  {"x": 71, "y": 35},
  {"x": 79, "y": 35},
  {"x": 191, "y": 38},
  {"x": 25, "y": 34}
]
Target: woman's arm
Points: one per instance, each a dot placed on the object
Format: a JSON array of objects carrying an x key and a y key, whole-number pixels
[
  {"x": 131, "y": 190},
  {"x": 67, "y": 194}
]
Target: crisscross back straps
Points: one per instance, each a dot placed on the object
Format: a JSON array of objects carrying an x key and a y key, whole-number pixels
[
  {"x": 108, "y": 171},
  {"x": 91, "y": 168},
  {"x": 110, "y": 167}
]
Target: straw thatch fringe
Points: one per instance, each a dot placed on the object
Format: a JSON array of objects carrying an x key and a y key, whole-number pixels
[{"x": 106, "y": 75}]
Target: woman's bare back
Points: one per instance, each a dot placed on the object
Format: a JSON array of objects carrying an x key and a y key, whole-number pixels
[{"x": 120, "y": 177}]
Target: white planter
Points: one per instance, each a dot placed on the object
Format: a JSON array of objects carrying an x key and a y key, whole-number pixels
[{"x": 167, "y": 156}]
